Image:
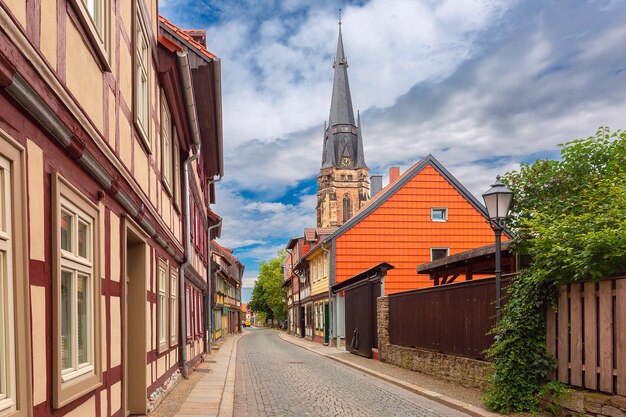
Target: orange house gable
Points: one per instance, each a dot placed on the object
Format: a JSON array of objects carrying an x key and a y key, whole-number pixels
[{"x": 396, "y": 227}]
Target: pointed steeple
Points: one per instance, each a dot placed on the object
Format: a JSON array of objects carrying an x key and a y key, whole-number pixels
[
  {"x": 360, "y": 162},
  {"x": 343, "y": 147},
  {"x": 341, "y": 111}
]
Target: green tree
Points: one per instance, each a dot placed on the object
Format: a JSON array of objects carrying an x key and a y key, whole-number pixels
[
  {"x": 570, "y": 217},
  {"x": 268, "y": 296}
]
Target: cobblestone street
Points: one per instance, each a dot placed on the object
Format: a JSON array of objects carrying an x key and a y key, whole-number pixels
[{"x": 276, "y": 378}]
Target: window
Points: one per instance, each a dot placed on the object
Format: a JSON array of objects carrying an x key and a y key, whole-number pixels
[
  {"x": 438, "y": 253},
  {"x": 176, "y": 175},
  {"x": 166, "y": 141},
  {"x": 173, "y": 315},
  {"x": 188, "y": 310},
  {"x": 7, "y": 318},
  {"x": 439, "y": 214},
  {"x": 77, "y": 298},
  {"x": 94, "y": 16},
  {"x": 142, "y": 80},
  {"x": 15, "y": 306},
  {"x": 162, "y": 309},
  {"x": 347, "y": 208}
]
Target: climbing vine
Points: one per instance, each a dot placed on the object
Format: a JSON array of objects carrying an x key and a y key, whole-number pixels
[{"x": 570, "y": 217}]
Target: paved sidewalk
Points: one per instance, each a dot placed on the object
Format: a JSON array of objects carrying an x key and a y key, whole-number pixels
[
  {"x": 210, "y": 390},
  {"x": 390, "y": 373}
]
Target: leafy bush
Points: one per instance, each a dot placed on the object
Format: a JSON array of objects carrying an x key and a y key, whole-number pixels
[{"x": 570, "y": 217}]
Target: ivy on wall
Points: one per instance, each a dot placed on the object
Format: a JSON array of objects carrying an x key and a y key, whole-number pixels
[{"x": 570, "y": 217}]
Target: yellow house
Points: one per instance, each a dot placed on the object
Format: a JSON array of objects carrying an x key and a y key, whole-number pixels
[{"x": 318, "y": 260}]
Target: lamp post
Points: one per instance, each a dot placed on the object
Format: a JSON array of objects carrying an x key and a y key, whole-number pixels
[{"x": 498, "y": 200}]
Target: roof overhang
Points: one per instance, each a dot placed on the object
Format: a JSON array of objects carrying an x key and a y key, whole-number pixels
[{"x": 373, "y": 274}]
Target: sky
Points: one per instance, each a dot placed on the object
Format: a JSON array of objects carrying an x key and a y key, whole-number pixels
[{"x": 483, "y": 85}]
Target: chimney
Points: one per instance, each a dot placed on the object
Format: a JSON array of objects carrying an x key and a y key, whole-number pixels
[
  {"x": 394, "y": 174},
  {"x": 198, "y": 35},
  {"x": 376, "y": 184}
]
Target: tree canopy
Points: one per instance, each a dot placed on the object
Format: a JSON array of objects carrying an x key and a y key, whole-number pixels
[
  {"x": 570, "y": 216},
  {"x": 268, "y": 296}
]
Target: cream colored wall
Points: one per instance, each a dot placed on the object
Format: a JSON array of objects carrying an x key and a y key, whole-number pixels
[
  {"x": 38, "y": 315},
  {"x": 18, "y": 8},
  {"x": 86, "y": 409},
  {"x": 319, "y": 284},
  {"x": 84, "y": 77},
  {"x": 36, "y": 197},
  {"x": 48, "y": 43}
]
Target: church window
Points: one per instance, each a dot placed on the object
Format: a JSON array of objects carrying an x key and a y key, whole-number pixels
[
  {"x": 349, "y": 177},
  {"x": 347, "y": 208}
]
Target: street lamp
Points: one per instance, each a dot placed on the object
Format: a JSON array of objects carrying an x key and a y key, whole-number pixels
[{"x": 498, "y": 200}]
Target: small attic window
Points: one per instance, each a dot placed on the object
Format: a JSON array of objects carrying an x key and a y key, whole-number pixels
[
  {"x": 438, "y": 253},
  {"x": 439, "y": 214}
]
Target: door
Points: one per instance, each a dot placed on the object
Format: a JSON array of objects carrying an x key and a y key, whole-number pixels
[
  {"x": 135, "y": 299},
  {"x": 361, "y": 325},
  {"x": 326, "y": 323},
  {"x": 302, "y": 329}
]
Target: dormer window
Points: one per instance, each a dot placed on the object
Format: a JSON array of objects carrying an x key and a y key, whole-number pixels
[{"x": 439, "y": 214}]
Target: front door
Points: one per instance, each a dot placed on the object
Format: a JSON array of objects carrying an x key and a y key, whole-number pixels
[
  {"x": 326, "y": 323},
  {"x": 302, "y": 329},
  {"x": 135, "y": 299}
]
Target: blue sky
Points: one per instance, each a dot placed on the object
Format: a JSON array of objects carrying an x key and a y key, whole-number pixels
[{"x": 481, "y": 84}]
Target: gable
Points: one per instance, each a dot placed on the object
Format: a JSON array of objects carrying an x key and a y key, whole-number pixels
[{"x": 397, "y": 227}]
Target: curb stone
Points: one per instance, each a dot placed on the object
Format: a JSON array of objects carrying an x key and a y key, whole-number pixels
[{"x": 432, "y": 395}]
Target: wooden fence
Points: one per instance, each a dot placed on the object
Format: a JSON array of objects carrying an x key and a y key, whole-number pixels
[
  {"x": 452, "y": 318},
  {"x": 587, "y": 335}
]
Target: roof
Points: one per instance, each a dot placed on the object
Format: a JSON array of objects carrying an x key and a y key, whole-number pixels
[
  {"x": 235, "y": 268},
  {"x": 184, "y": 34},
  {"x": 391, "y": 189},
  {"x": 312, "y": 234},
  {"x": 342, "y": 137},
  {"x": 377, "y": 271}
]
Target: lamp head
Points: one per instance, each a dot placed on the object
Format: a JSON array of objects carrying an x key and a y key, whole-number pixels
[{"x": 498, "y": 200}]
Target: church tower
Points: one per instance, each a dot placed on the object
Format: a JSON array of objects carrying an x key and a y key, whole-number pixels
[{"x": 342, "y": 184}]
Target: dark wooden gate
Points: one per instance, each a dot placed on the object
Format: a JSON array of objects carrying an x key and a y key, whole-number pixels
[
  {"x": 360, "y": 324},
  {"x": 361, "y": 294}
]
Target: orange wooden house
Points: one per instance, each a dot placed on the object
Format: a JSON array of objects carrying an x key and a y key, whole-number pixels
[{"x": 422, "y": 215}]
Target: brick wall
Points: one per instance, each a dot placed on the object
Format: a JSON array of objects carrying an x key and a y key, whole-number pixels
[{"x": 464, "y": 371}]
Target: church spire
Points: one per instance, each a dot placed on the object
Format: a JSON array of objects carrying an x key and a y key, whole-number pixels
[{"x": 341, "y": 111}]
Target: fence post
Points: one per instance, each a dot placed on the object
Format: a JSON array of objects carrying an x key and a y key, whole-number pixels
[{"x": 383, "y": 327}]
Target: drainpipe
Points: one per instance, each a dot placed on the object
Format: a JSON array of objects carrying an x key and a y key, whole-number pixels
[
  {"x": 330, "y": 301},
  {"x": 190, "y": 104},
  {"x": 208, "y": 340}
]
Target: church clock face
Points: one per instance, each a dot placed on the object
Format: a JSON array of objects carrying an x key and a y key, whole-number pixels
[{"x": 346, "y": 161}]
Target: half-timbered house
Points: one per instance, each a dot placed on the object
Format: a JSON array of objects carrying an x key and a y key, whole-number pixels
[{"x": 110, "y": 137}]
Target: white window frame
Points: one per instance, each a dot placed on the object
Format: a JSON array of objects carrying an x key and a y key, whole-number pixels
[
  {"x": 166, "y": 142},
  {"x": 142, "y": 75},
  {"x": 439, "y": 248},
  {"x": 97, "y": 23},
  {"x": 76, "y": 265},
  {"x": 173, "y": 307},
  {"x": 72, "y": 383},
  {"x": 444, "y": 210},
  {"x": 162, "y": 305},
  {"x": 8, "y": 383}
]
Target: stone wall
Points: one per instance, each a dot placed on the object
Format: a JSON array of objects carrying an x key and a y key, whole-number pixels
[
  {"x": 588, "y": 404},
  {"x": 464, "y": 371}
]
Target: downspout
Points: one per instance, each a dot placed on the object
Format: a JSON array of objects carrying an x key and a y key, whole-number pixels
[
  {"x": 290, "y": 252},
  {"x": 330, "y": 301},
  {"x": 208, "y": 339},
  {"x": 190, "y": 104}
]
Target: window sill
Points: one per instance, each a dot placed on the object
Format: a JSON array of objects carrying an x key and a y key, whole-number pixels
[
  {"x": 69, "y": 376},
  {"x": 76, "y": 388},
  {"x": 144, "y": 139}
]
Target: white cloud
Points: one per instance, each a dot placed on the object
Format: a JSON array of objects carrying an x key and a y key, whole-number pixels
[{"x": 483, "y": 85}]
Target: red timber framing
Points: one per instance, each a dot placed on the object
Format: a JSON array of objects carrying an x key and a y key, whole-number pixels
[{"x": 70, "y": 109}]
